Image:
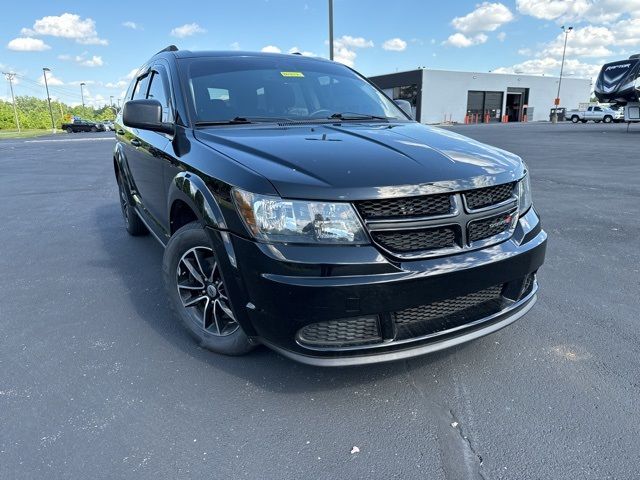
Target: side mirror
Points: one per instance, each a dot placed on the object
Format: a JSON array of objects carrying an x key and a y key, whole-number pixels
[
  {"x": 145, "y": 115},
  {"x": 405, "y": 106}
]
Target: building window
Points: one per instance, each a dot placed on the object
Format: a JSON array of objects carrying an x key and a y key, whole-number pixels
[{"x": 484, "y": 106}]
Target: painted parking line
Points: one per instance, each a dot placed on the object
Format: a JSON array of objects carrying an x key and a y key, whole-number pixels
[{"x": 70, "y": 140}]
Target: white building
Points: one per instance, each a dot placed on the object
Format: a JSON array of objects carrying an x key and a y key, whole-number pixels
[{"x": 441, "y": 95}]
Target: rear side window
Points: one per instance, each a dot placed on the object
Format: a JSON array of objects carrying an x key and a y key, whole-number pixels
[{"x": 158, "y": 91}]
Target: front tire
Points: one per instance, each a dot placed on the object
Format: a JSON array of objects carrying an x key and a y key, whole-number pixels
[
  {"x": 69, "y": 130},
  {"x": 607, "y": 119},
  {"x": 197, "y": 292}
]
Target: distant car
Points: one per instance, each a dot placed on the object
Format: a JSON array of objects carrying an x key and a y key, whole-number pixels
[
  {"x": 83, "y": 126},
  {"x": 108, "y": 126},
  {"x": 596, "y": 113}
]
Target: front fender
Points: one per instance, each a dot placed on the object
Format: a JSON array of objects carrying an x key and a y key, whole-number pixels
[{"x": 193, "y": 191}]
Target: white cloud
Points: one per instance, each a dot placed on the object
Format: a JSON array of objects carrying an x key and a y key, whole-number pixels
[
  {"x": 67, "y": 25},
  {"x": 304, "y": 53},
  {"x": 131, "y": 25},
  {"x": 589, "y": 41},
  {"x": 487, "y": 17},
  {"x": 627, "y": 32},
  {"x": 123, "y": 82},
  {"x": 27, "y": 44},
  {"x": 270, "y": 49},
  {"x": 551, "y": 9},
  {"x": 235, "y": 46},
  {"x": 551, "y": 66},
  {"x": 460, "y": 40},
  {"x": 118, "y": 84},
  {"x": 598, "y": 11},
  {"x": 94, "y": 61},
  {"x": 501, "y": 36},
  {"x": 344, "y": 48},
  {"x": 395, "y": 44},
  {"x": 354, "y": 42},
  {"x": 187, "y": 30},
  {"x": 593, "y": 41},
  {"x": 52, "y": 80}
]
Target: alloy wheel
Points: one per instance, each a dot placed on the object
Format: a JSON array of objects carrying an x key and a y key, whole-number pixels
[{"x": 203, "y": 293}]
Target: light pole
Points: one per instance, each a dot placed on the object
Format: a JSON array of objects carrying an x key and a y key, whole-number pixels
[
  {"x": 564, "y": 50},
  {"x": 10, "y": 76},
  {"x": 44, "y": 72},
  {"x": 330, "y": 29},
  {"x": 82, "y": 94}
]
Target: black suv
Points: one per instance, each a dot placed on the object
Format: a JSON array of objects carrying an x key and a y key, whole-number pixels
[{"x": 301, "y": 208}]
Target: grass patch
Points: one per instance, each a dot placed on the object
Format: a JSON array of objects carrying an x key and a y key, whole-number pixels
[{"x": 24, "y": 133}]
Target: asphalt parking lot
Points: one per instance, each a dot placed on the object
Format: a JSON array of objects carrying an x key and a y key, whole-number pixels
[{"x": 99, "y": 381}]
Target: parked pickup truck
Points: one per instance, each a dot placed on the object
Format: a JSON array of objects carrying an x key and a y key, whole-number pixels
[
  {"x": 595, "y": 113},
  {"x": 82, "y": 126}
]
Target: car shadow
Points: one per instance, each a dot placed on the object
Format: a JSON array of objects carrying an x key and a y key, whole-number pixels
[{"x": 137, "y": 261}]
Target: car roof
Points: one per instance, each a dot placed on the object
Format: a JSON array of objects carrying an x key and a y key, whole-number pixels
[{"x": 173, "y": 52}]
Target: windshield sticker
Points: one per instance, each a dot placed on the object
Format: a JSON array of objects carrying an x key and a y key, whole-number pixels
[{"x": 292, "y": 74}]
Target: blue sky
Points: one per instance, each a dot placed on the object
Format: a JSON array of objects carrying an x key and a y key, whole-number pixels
[{"x": 100, "y": 44}]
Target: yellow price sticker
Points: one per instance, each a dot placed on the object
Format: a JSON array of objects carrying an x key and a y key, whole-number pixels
[{"x": 292, "y": 74}]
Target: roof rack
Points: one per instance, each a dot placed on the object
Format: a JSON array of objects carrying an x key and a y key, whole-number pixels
[{"x": 170, "y": 48}]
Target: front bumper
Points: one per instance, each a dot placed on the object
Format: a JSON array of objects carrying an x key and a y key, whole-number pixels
[{"x": 284, "y": 288}]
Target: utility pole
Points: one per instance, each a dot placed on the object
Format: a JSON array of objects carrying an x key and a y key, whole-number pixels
[
  {"x": 46, "y": 85},
  {"x": 330, "y": 29},
  {"x": 82, "y": 94},
  {"x": 564, "y": 50},
  {"x": 10, "y": 76}
]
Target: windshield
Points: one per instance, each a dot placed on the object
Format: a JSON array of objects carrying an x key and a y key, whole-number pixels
[{"x": 258, "y": 89}]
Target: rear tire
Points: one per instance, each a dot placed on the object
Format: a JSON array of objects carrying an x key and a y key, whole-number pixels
[
  {"x": 132, "y": 222},
  {"x": 94, "y": 129},
  {"x": 575, "y": 119},
  {"x": 197, "y": 293}
]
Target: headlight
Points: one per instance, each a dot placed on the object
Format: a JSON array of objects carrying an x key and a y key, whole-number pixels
[
  {"x": 524, "y": 195},
  {"x": 295, "y": 221}
]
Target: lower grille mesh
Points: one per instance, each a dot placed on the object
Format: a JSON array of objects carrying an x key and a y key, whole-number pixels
[
  {"x": 446, "y": 314},
  {"x": 489, "y": 227},
  {"x": 344, "y": 332}
]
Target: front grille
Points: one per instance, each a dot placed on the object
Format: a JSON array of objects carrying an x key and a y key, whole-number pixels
[
  {"x": 405, "y": 207},
  {"x": 341, "y": 333},
  {"x": 490, "y": 227},
  {"x": 447, "y": 314},
  {"x": 416, "y": 240},
  {"x": 485, "y": 197},
  {"x": 430, "y": 225}
]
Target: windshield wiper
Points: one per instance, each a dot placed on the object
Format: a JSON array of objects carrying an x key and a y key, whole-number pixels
[
  {"x": 357, "y": 116},
  {"x": 241, "y": 121}
]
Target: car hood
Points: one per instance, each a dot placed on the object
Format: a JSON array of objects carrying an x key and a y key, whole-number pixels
[{"x": 354, "y": 161}]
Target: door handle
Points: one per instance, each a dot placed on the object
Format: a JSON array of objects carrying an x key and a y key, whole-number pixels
[
  {"x": 120, "y": 131},
  {"x": 135, "y": 142}
]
